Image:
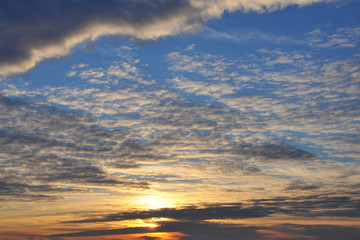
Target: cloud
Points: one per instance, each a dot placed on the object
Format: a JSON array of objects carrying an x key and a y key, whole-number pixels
[
  {"x": 332, "y": 39},
  {"x": 317, "y": 205},
  {"x": 11, "y": 191},
  {"x": 53, "y": 29},
  {"x": 194, "y": 220},
  {"x": 312, "y": 205},
  {"x": 283, "y": 99},
  {"x": 191, "y": 230},
  {"x": 232, "y": 211},
  {"x": 64, "y": 146},
  {"x": 201, "y": 88},
  {"x": 244, "y": 128},
  {"x": 213, "y": 231},
  {"x": 298, "y": 185},
  {"x": 274, "y": 151}
]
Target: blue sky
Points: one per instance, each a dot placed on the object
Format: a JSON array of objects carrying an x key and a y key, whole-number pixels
[{"x": 179, "y": 119}]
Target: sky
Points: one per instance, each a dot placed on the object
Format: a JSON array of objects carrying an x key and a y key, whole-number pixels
[{"x": 179, "y": 119}]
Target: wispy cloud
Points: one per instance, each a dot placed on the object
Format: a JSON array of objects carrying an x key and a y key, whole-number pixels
[
  {"x": 247, "y": 36},
  {"x": 340, "y": 38}
]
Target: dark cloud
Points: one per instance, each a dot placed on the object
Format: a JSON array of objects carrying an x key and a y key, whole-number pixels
[
  {"x": 33, "y": 30},
  {"x": 280, "y": 150},
  {"x": 73, "y": 171},
  {"x": 191, "y": 220},
  {"x": 299, "y": 185},
  {"x": 273, "y": 150},
  {"x": 307, "y": 206},
  {"x": 232, "y": 211},
  {"x": 111, "y": 232},
  {"x": 314, "y": 205},
  {"x": 326, "y": 232},
  {"x": 42, "y": 29},
  {"x": 212, "y": 231},
  {"x": 194, "y": 230},
  {"x": 14, "y": 190}
]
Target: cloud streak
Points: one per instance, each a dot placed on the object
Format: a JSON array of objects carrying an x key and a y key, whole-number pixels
[{"x": 232, "y": 211}]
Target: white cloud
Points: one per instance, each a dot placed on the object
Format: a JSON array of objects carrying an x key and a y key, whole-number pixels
[
  {"x": 339, "y": 38},
  {"x": 216, "y": 90}
]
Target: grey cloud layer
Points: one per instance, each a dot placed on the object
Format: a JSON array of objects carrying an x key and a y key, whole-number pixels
[
  {"x": 67, "y": 149},
  {"x": 31, "y": 31},
  {"x": 73, "y": 151}
]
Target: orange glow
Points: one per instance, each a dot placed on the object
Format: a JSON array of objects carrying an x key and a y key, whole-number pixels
[{"x": 160, "y": 236}]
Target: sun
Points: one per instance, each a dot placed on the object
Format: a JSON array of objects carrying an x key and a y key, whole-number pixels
[
  {"x": 155, "y": 201},
  {"x": 149, "y": 225}
]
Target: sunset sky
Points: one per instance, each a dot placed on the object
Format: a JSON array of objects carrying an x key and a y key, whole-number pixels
[{"x": 179, "y": 119}]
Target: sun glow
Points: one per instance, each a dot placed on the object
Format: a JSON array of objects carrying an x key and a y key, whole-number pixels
[
  {"x": 155, "y": 201},
  {"x": 149, "y": 225}
]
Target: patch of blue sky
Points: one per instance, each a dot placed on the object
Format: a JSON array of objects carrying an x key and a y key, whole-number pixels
[{"x": 299, "y": 21}]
